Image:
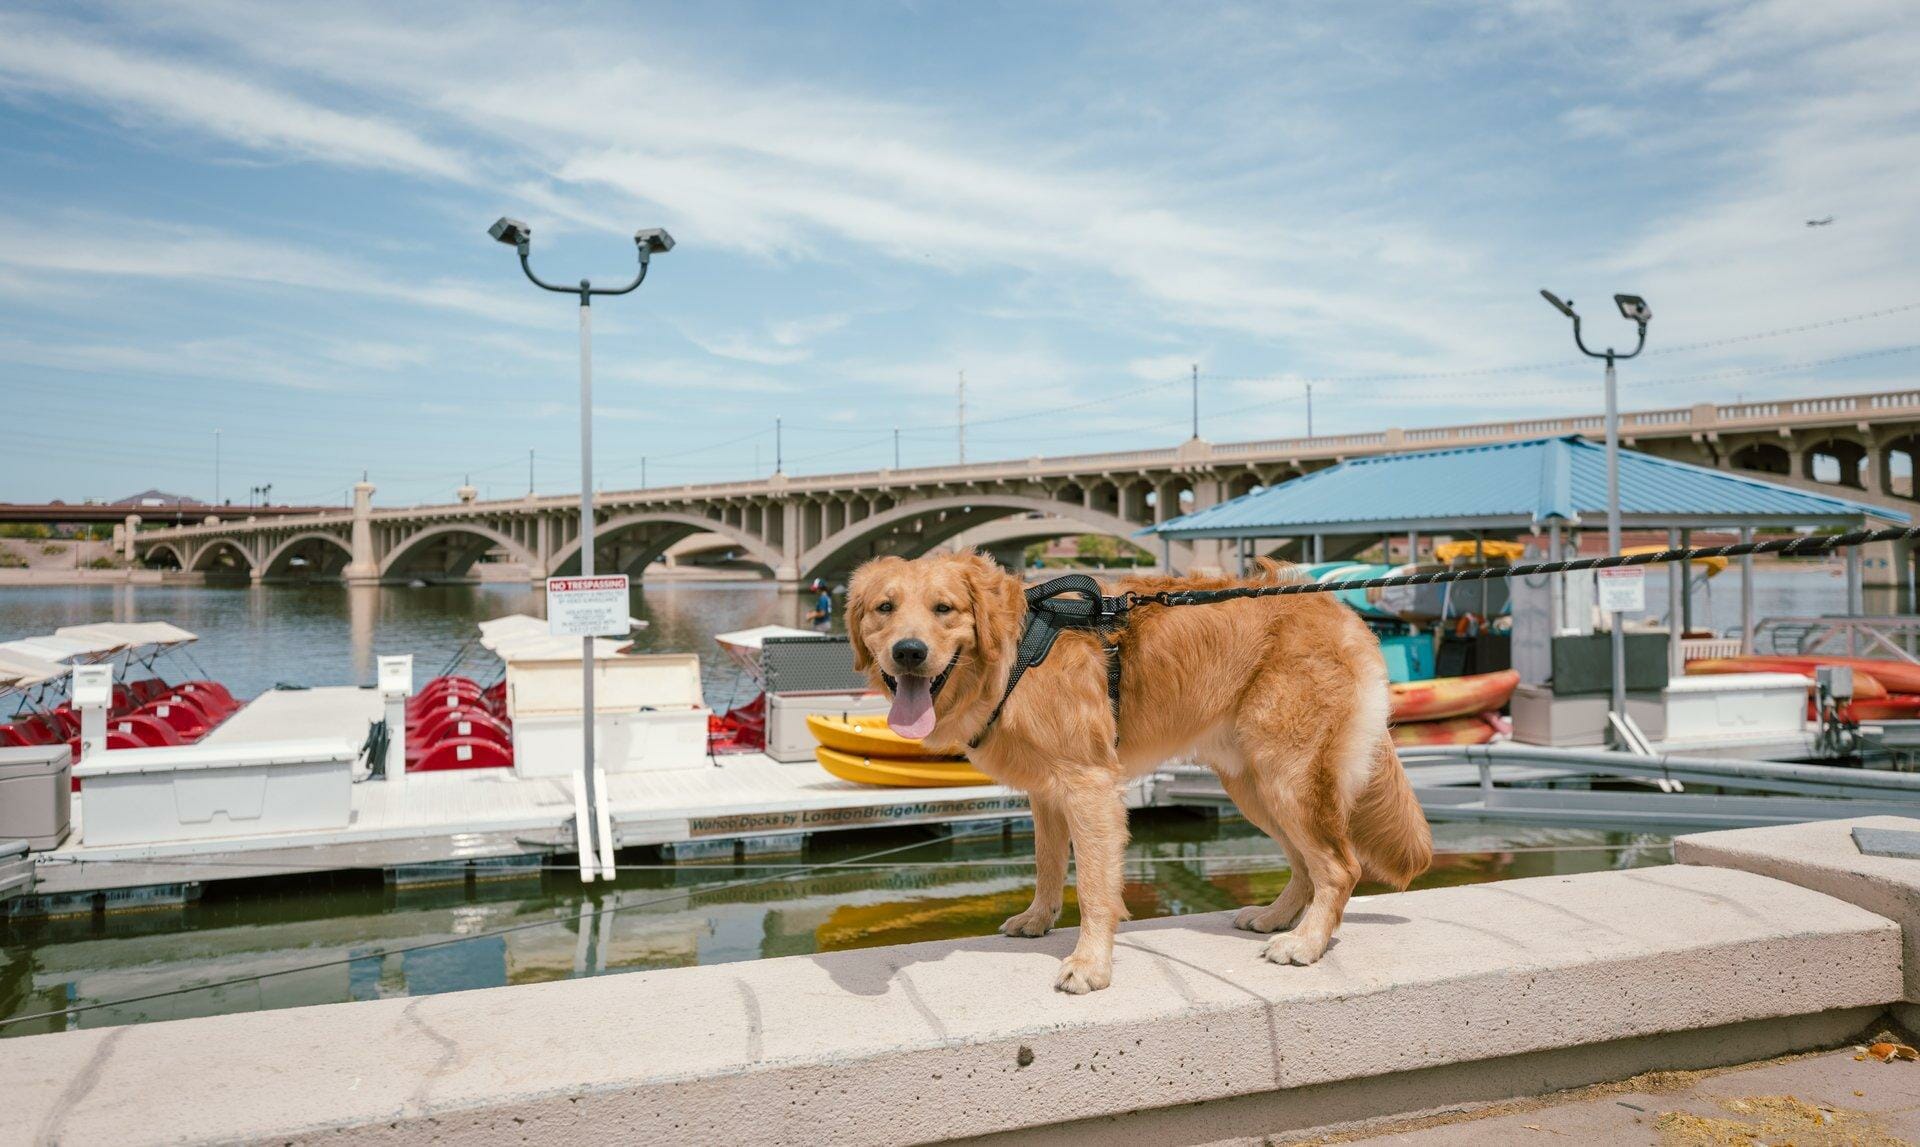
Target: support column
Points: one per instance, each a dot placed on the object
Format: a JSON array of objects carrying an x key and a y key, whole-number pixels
[
  {"x": 1209, "y": 555},
  {"x": 1855, "y": 598},
  {"x": 1746, "y": 594},
  {"x": 1676, "y": 609},
  {"x": 787, "y": 574},
  {"x": 131, "y": 528},
  {"x": 542, "y": 550},
  {"x": 363, "y": 568}
]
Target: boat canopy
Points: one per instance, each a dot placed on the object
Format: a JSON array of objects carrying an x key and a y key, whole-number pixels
[
  {"x": 65, "y": 650},
  {"x": 743, "y": 646},
  {"x": 522, "y": 637},
  {"x": 130, "y": 634},
  {"x": 1515, "y": 487},
  {"x": 22, "y": 671}
]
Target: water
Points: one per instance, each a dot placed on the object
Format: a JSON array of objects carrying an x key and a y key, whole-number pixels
[
  {"x": 254, "y": 637},
  {"x": 347, "y": 929}
]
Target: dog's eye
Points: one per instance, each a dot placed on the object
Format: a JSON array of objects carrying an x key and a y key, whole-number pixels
[
  {"x": 883, "y": 607},
  {"x": 943, "y": 607}
]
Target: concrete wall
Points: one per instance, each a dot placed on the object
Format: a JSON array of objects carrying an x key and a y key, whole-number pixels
[{"x": 1436, "y": 997}]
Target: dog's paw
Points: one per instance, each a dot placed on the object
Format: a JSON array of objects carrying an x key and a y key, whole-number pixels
[
  {"x": 1035, "y": 921},
  {"x": 1261, "y": 918},
  {"x": 1082, "y": 974},
  {"x": 1294, "y": 948}
]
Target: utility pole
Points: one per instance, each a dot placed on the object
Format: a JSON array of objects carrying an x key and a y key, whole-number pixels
[
  {"x": 216, "y": 466},
  {"x": 529, "y": 473},
  {"x": 779, "y": 452},
  {"x": 1196, "y": 400},
  {"x": 643, "y": 471},
  {"x": 1309, "y": 410},
  {"x": 896, "y": 448},
  {"x": 963, "y": 418}
]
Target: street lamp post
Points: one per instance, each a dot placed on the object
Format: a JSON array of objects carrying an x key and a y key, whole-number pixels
[
  {"x": 649, "y": 242},
  {"x": 1635, "y": 309}
]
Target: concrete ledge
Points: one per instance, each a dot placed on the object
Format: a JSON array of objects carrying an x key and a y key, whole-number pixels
[
  {"x": 966, "y": 1037},
  {"x": 1821, "y": 856}
]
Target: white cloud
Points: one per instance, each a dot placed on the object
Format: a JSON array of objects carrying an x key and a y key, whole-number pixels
[
  {"x": 103, "y": 250},
  {"x": 143, "y": 89}
]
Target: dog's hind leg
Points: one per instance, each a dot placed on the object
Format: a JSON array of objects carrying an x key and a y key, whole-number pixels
[
  {"x": 1050, "y": 869},
  {"x": 1315, "y": 825},
  {"x": 1293, "y": 899}
]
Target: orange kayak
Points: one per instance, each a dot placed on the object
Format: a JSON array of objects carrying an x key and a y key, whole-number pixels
[
  {"x": 1897, "y": 676},
  {"x": 1867, "y": 686},
  {"x": 1444, "y": 697},
  {"x": 1474, "y": 730},
  {"x": 1899, "y": 707}
]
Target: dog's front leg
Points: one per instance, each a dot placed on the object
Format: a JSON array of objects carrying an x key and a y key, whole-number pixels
[
  {"x": 1050, "y": 869},
  {"x": 1098, "y": 821}
]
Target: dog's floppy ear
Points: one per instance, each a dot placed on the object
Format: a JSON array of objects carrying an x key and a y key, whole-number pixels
[
  {"x": 858, "y": 591},
  {"x": 999, "y": 604}
]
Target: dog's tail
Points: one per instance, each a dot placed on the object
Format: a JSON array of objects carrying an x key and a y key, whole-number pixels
[{"x": 1389, "y": 831}]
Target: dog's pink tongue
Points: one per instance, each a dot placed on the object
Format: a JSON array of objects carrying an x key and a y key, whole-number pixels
[{"x": 912, "y": 712}]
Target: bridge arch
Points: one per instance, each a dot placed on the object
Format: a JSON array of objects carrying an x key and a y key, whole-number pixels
[
  {"x": 1899, "y": 463},
  {"x": 1764, "y": 458},
  {"x": 456, "y": 559},
  {"x": 205, "y": 559},
  {"x": 173, "y": 553},
  {"x": 1843, "y": 458},
  {"x": 278, "y": 559},
  {"x": 677, "y": 526},
  {"x": 841, "y": 551}
]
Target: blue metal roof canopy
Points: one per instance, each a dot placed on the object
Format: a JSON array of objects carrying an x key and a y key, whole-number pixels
[{"x": 1516, "y": 487}]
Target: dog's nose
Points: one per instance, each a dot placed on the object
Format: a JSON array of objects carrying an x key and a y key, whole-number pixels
[{"x": 910, "y": 654}]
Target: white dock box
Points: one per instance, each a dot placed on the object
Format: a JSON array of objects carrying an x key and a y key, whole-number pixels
[
  {"x": 789, "y": 740},
  {"x": 202, "y": 792},
  {"x": 648, "y": 714},
  {"x": 1740, "y": 704}
]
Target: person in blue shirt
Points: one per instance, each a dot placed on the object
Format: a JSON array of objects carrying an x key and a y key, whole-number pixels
[{"x": 822, "y": 603}]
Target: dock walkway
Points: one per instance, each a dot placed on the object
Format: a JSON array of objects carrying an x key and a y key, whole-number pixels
[{"x": 424, "y": 826}]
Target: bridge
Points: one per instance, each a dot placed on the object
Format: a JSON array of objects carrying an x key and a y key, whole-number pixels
[
  {"x": 822, "y": 525},
  {"x": 180, "y": 513}
]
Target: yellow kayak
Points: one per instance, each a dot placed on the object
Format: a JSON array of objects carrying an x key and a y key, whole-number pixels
[
  {"x": 900, "y": 772},
  {"x": 863, "y": 736}
]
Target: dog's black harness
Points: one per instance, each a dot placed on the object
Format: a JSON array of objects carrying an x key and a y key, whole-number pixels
[{"x": 1073, "y": 601}]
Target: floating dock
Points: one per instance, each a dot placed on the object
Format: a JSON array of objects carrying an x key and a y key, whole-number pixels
[{"x": 443, "y": 827}]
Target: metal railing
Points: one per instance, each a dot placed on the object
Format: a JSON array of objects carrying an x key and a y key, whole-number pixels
[{"x": 1892, "y": 637}]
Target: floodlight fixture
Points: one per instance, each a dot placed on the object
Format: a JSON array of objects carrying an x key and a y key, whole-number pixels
[
  {"x": 653, "y": 240},
  {"x": 1565, "y": 308},
  {"x": 1635, "y": 308},
  {"x": 512, "y": 232}
]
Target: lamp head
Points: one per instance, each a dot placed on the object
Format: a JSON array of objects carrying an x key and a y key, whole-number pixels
[
  {"x": 1634, "y": 307},
  {"x": 512, "y": 232},
  {"x": 1565, "y": 308},
  {"x": 653, "y": 240}
]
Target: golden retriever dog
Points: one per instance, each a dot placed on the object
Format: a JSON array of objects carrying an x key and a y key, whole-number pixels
[{"x": 1285, "y": 698}]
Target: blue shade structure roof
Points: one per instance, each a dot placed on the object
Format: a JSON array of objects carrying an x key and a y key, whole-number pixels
[{"x": 1515, "y": 486}]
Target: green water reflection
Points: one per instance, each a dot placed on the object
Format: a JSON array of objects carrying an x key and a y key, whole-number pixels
[{"x": 1178, "y": 864}]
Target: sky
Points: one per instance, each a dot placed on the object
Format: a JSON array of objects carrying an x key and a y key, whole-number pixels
[{"x": 269, "y": 222}]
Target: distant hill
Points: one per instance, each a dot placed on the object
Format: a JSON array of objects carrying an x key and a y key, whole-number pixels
[{"x": 156, "y": 498}]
